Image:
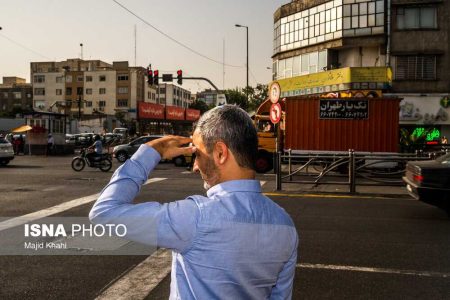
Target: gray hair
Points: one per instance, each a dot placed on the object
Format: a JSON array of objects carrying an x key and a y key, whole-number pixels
[{"x": 231, "y": 125}]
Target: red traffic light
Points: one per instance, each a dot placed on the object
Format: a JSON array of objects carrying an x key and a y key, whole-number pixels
[
  {"x": 156, "y": 77},
  {"x": 180, "y": 77},
  {"x": 149, "y": 76}
]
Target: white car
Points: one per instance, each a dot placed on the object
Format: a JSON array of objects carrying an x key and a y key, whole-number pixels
[{"x": 6, "y": 152}]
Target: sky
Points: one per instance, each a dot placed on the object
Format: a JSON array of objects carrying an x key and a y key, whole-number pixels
[{"x": 52, "y": 30}]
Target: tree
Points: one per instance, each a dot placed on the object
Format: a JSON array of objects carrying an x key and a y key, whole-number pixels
[
  {"x": 236, "y": 97},
  {"x": 120, "y": 115},
  {"x": 200, "y": 105},
  {"x": 257, "y": 96}
]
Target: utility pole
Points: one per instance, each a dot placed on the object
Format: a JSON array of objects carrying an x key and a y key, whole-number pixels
[
  {"x": 246, "y": 28},
  {"x": 79, "y": 108}
]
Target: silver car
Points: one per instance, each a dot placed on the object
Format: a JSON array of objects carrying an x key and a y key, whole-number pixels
[
  {"x": 125, "y": 151},
  {"x": 6, "y": 152}
]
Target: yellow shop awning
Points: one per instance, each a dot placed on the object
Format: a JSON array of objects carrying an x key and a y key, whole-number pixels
[{"x": 22, "y": 128}]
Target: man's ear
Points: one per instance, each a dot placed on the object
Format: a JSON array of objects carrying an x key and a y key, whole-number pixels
[{"x": 220, "y": 153}]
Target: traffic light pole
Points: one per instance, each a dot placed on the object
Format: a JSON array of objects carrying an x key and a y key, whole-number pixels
[{"x": 202, "y": 78}]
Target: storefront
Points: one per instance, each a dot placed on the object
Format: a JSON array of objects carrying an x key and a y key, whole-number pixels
[
  {"x": 42, "y": 124},
  {"x": 160, "y": 119},
  {"x": 424, "y": 120}
]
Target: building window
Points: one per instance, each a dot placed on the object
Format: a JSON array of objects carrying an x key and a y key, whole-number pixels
[
  {"x": 88, "y": 78},
  {"x": 101, "y": 103},
  {"x": 88, "y": 103},
  {"x": 88, "y": 91},
  {"x": 58, "y": 91},
  {"x": 68, "y": 91},
  {"x": 304, "y": 64},
  {"x": 416, "y": 17},
  {"x": 102, "y": 78},
  {"x": 328, "y": 21},
  {"x": 68, "y": 78},
  {"x": 122, "y": 90},
  {"x": 59, "y": 79},
  {"x": 122, "y": 77},
  {"x": 17, "y": 95},
  {"x": 80, "y": 78},
  {"x": 122, "y": 103},
  {"x": 79, "y": 91},
  {"x": 38, "y": 78},
  {"x": 57, "y": 126},
  {"x": 102, "y": 91},
  {"x": 39, "y": 91},
  {"x": 421, "y": 67}
]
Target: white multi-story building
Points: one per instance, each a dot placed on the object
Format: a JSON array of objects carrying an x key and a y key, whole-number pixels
[{"x": 172, "y": 95}]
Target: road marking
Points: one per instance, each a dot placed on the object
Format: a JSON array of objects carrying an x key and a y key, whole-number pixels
[
  {"x": 151, "y": 180},
  {"x": 336, "y": 196},
  {"x": 374, "y": 270},
  {"x": 13, "y": 222},
  {"x": 50, "y": 189},
  {"x": 141, "y": 280},
  {"x": 186, "y": 172}
]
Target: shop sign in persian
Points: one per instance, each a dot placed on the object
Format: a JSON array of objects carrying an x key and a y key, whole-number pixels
[
  {"x": 358, "y": 78},
  {"x": 151, "y": 111},
  {"x": 174, "y": 113},
  {"x": 192, "y": 114},
  {"x": 343, "y": 109}
]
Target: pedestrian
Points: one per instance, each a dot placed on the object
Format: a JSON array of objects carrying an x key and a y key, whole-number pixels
[
  {"x": 233, "y": 243},
  {"x": 50, "y": 144},
  {"x": 14, "y": 142},
  {"x": 16, "y": 145},
  {"x": 21, "y": 144}
]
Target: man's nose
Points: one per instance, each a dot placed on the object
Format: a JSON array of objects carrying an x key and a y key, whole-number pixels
[{"x": 195, "y": 166}]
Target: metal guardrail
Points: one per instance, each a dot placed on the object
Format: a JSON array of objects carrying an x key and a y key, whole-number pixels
[{"x": 340, "y": 168}]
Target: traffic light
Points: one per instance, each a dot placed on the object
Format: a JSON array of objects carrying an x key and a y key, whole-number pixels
[
  {"x": 156, "y": 77},
  {"x": 149, "y": 76},
  {"x": 180, "y": 77}
]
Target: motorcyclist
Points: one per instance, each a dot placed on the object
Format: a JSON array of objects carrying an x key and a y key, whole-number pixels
[{"x": 97, "y": 147}]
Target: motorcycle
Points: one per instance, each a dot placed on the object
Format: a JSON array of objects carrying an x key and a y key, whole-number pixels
[{"x": 102, "y": 162}]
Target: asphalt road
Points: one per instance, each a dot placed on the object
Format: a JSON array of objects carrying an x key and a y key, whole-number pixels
[{"x": 351, "y": 247}]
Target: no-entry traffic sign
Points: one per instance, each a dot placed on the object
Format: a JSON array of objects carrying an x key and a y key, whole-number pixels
[{"x": 275, "y": 113}]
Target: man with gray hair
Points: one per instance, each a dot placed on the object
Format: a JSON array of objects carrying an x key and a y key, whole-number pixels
[{"x": 235, "y": 243}]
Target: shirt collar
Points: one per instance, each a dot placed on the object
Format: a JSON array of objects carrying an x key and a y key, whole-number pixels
[{"x": 246, "y": 185}]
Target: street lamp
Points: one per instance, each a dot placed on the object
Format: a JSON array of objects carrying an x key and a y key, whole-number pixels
[{"x": 246, "y": 28}]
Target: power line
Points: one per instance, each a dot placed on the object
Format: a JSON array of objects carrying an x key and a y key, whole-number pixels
[
  {"x": 253, "y": 76},
  {"x": 172, "y": 39},
  {"x": 24, "y": 47}
]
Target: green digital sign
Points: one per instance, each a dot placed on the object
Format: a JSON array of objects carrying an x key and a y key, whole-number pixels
[{"x": 431, "y": 134}]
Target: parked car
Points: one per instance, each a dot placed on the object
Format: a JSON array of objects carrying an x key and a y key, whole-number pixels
[
  {"x": 6, "y": 152},
  {"x": 183, "y": 160},
  {"x": 121, "y": 131},
  {"x": 80, "y": 139},
  {"x": 429, "y": 181},
  {"x": 125, "y": 151}
]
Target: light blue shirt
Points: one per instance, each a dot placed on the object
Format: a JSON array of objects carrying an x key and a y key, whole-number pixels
[
  {"x": 233, "y": 244},
  {"x": 98, "y": 147}
]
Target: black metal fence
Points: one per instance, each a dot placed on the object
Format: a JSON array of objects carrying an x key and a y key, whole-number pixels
[{"x": 341, "y": 168}]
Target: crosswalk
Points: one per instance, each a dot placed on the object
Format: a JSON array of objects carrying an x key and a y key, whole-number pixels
[{"x": 17, "y": 221}]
